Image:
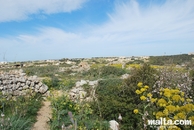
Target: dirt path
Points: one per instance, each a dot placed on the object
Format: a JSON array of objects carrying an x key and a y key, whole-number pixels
[
  {"x": 43, "y": 117},
  {"x": 44, "y": 114}
]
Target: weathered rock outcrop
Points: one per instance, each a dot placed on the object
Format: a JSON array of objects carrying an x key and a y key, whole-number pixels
[
  {"x": 16, "y": 83},
  {"x": 78, "y": 92}
]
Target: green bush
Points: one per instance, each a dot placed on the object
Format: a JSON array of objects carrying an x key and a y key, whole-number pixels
[
  {"x": 144, "y": 74},
  {"x": 52, "y": 82},
  {"x": 111, "y": 70},
  {"x": 19, "y": 112},
  {"x": 80, "y": 115},
  {"x": 93, "y": 72},
  {"x": 67, "y": 84},
  {"x": 16, "y": 122},
  {"x": 116, "y": 96}
]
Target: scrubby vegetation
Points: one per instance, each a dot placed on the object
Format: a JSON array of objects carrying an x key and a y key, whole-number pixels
[
  {"x": 19, "y": 113},
  {"x": 175, "y": 59},
  {"x": 71, "y": 115},
  {"x": 41, "y": 71},
  {"x": 104, "y": 72},
  {"x": 161, "y": 87}
]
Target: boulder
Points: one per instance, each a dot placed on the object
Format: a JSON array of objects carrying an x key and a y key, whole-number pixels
[
  {"x": 114, "y": 125},
  {"x": 80, "y": 83}
]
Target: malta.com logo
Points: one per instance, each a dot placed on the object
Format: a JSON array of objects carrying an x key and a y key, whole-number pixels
[{"x": 164, "y": 122}]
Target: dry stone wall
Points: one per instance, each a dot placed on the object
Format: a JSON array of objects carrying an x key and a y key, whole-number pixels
[
  {"x": 78, "y": 91},
  {"x": 16, "y": 83}
]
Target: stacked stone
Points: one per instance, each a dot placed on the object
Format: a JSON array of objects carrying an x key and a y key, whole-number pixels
[
  {"x": 78, "y": 91},
  {"x": 16, "y": 83}
]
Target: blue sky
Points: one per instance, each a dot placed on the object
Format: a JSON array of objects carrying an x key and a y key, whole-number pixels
[{"x": 55, "y": 29}]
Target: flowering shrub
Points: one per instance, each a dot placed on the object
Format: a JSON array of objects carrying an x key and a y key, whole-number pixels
[
  {"x": 117, "y": 65},
  {"x": 171, "y": 104},
  {"x": 172, "y": 78},
  {"x": 134, "y": 65}
]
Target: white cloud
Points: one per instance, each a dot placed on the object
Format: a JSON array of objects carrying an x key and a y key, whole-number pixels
[
  {"x": 11, "y": 10},
  {"x": 131, "y": 30},
  {"x": 172, "y": 20}
]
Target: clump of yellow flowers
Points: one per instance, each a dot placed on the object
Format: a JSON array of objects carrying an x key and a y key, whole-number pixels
[
  {"x": 169, "y": 103},
  {"x": 135, "y": 111}
]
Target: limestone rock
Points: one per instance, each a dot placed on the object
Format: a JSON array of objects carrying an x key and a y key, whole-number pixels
[
  {"x": 114, "y": 125},
  {"x": 16, "y": 83},
  {"x": 80, "y": 83}
]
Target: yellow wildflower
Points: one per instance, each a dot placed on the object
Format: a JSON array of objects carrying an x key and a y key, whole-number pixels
[
  {"x": 161, "y": 128},
  {"x": 182, "y": 94},
  {"x": 176, "y": 117},
  {"x": 182, "y": 99},
  {"x": 163, "y": 105},
  {"x": 171, "y": 108},
  {"x": 138, "y": 92},
  {"x": 169, "y": 102},
  {"x": 181, "y": 115},
  {"x": 189, "y": 100},
  {"x": 146, "y": 86},
  {"x": 166, "y": 90},
  {"x": 182, "y": 108},
  {"x": 161, "y": 102},
  {"x": 135, "y": 111},
  {"x": 143, "y": 98},
  {"x": 175, "y": 91},
  {"x": 153, "y": 100},
  {"x": 149, "y": 95},
  {"x": 159, "y": 114},
  {"x": 165, "y": 112},
  {"x": 173, "y": 127},
  {"x": 140, "y": 84},
  {"x": 176, "y": 98},
  {"x": 192, "y": 119},
  {"x": 177, "y": 108},
  {"x": 167, "y": 94},
  {"x": 189, "y": 107},
  {"x": 142, "y": 89}
]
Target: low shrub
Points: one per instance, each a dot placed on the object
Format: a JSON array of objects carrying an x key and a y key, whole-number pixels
[
  {"x": 52, "y": 82},
  {"x": 114, "y": 98},
  {"x": 111, "y": 70},
  {"x": 69, "y": 114},
  {"x": 19, "y": 113}
]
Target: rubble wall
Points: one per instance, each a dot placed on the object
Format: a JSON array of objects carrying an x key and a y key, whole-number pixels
[{"x": 16, "y": 83}]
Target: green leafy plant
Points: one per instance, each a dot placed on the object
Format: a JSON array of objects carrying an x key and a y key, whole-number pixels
[
  {"x": 74, "y": 115},
  {"x": 19, "y": 112}
]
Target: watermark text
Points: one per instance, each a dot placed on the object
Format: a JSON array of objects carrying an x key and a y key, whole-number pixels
[{"x": 164, "y": 122}]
